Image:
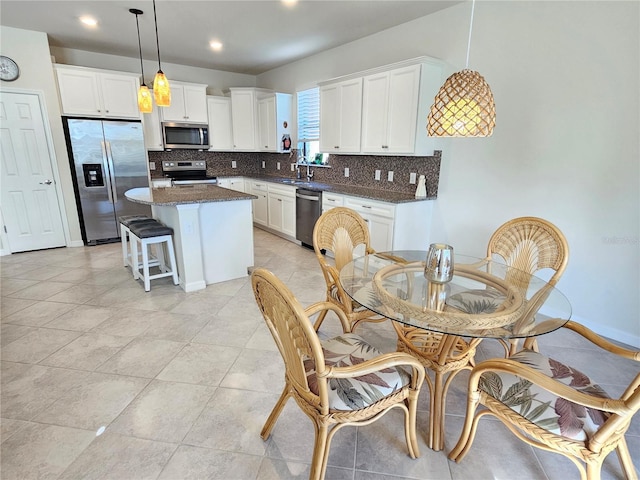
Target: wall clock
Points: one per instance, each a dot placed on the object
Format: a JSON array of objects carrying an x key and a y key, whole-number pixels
[{"x": 9, "y": 70}]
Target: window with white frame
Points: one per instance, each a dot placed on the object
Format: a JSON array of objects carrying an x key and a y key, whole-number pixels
[{"x": 308, "y": 124}]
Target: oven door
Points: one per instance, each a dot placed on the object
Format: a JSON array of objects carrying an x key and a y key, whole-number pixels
[{"x": 182, "y": 135}]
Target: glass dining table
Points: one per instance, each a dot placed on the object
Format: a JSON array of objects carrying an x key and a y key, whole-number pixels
[{"x": 484, "y": 299}]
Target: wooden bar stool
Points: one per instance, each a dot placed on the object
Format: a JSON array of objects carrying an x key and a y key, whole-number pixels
[
  {"x": 125, "y": 222},
  {"x": 145, "y": 235}
]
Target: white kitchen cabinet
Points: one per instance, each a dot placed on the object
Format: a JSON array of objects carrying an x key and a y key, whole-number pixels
[
  {"x": 260, "y": 205},
  {"x": 341, "y": 116},
  {"x": 331, "y": 200},
  {"x": 97, "y": 93},
  {"x": 381, "y": 111},
  {"x": 389, "y": 111},
  {"x": 220, "y": 129},
  {"x": 392, "y": 226},
  {"x": 188, "y": 103},
  {"x": 152, "y": 129},
  {"x": 380, "y": 218},
  {"x": 274, "y": 119},
  {"x": 232, "y": 183},
  {"x": 244, "y": 116},
  {"x": 282, "y": 209}
]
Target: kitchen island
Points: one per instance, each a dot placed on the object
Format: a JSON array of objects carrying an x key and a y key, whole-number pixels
[{"x": 212, "y": 230}]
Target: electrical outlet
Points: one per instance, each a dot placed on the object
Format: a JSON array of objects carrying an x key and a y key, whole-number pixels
[
  {"x": 233, "y": 164},
  {"x": 263, "y": 164},
  {"x": 152, "y": 165},
  {"x": 293, "y": 167},
  {"x": 390, "y": 176},
  {"x": 346, "y": 171},
  {"x": 277, "y": 165},
  {"x": 377, "y": 177},
  {"x": 412, "y": 178}
]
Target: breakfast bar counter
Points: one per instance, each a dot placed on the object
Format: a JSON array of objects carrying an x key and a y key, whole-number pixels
[{"x": 212, "y": 230}]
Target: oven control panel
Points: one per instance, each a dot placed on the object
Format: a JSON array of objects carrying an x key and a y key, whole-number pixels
[{"x": 173, "y": 166}]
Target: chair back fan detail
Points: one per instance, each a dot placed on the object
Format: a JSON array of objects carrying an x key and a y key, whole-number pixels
[{"x": 530, "y": 244}]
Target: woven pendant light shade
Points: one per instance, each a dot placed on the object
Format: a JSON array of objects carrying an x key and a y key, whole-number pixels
[{"x": 463, "y": 107}]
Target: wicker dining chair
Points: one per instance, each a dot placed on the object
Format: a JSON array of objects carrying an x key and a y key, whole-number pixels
[
  {"x": 341, "y": 231},
  {"x": 336, "y": 382},
  {"x": 529, "y": 244},
  {"x": 554, "y": 407}
]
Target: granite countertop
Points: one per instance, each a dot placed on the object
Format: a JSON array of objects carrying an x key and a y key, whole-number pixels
[
  {"x": 370, "y": 193},
  {"x": 185, "y": 194}
]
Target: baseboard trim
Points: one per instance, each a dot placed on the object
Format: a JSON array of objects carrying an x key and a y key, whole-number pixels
[
  {"x": 75, "y": 243},
  {"x": 611, "y": 333}
]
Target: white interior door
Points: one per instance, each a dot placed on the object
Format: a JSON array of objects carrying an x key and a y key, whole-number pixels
[{"x": 29, "y": 200}]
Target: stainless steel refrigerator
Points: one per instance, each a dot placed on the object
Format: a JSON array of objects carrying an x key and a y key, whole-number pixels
[{"x": 108, "y": 158}]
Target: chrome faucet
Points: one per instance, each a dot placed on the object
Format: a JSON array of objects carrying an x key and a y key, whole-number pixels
[
  {"x": 298, "y": 174},
  {"x": 309, "y": 173}
]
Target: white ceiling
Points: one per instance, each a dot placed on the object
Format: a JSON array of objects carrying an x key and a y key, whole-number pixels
[{"x": 257, "y": 35}]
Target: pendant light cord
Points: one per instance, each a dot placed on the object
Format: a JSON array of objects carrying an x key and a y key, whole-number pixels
[
  {"x": 155, "y": 19},
  {"x": 473, "y": 4},
  {"x": 140, "y": 50}
]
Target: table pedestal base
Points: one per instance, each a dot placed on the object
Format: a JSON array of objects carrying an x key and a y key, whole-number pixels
[{"x": 445, "y": 355}]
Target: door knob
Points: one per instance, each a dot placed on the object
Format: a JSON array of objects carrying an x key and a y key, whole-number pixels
[{"x": 46, "y": 182}]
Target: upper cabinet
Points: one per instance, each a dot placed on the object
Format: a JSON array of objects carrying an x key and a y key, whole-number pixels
[
  {"x": 220, "y": 127},
  {"x": 274, "y": 120},
  {"x": 387, "y": 115},
  {"x": 260, "y": 119},
  {"x": 390, "y": 110},
  {"x": 188, "y": 103},
  {"x": 341, "y": 116},
  {"x": 244, "y": 115},
  {"x": 90, "y": 92}
]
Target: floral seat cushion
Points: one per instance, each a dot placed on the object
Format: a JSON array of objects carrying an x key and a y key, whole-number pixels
[
  {"x": 541, "y": 407},
  {"x": 359, "y": 392}
]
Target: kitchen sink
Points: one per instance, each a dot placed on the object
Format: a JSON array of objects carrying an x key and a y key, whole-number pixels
[{"x": 293, "y": 181}]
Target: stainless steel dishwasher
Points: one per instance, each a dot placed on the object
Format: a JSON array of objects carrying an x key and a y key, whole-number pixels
[{"x": 308, "y": 210}]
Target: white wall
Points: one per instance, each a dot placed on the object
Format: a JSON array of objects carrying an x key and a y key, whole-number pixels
[
  {"x": 31, "y": 51},
  {"x": 565, "y": 77}
]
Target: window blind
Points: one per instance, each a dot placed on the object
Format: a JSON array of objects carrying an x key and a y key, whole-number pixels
[{"x": 309, "y": 115}]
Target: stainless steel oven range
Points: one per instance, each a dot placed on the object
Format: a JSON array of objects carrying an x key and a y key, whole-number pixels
[{"x": 187, "y": 172}]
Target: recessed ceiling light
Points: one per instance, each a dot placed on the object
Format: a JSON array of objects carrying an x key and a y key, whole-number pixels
[
  {"x": 289, "y": 3},
  {"x": 89, "y": 21},
  {"x": 215, "y": 45}
]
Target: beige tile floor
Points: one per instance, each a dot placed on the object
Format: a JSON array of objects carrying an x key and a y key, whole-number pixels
[{"x": 103, "y": 380}]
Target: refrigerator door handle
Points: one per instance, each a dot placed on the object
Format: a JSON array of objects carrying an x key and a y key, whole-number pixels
[
  {"x": 112, "y": 173},
  {"x": 107, "y": 173}
]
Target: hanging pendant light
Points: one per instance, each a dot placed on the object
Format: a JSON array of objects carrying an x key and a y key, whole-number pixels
[
  {"x": 161, "y": 90},
  {"x": 464, "y": 106},
  {"x": 145, "y": 105}
]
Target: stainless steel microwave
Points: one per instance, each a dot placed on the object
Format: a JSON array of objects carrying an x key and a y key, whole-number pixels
[{"x": 185, "y": 135}]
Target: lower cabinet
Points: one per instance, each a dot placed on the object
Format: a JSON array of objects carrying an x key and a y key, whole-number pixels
[
  {"x": 379, "y": 216},
  {"x": 260, "y": 205},
  {"x": 232, "y": 183},
  {"x": 282, "y": 209},
  {"x": 392, "y": 226}
]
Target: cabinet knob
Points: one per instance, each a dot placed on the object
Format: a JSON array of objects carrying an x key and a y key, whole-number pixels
[{"x": 337, "y": 146}]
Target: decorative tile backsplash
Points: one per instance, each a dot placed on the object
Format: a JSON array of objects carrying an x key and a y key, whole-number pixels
[{"x": 362, "y": 168}]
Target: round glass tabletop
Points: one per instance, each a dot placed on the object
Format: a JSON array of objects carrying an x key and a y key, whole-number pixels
[{"x": 484, "y": 298}]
